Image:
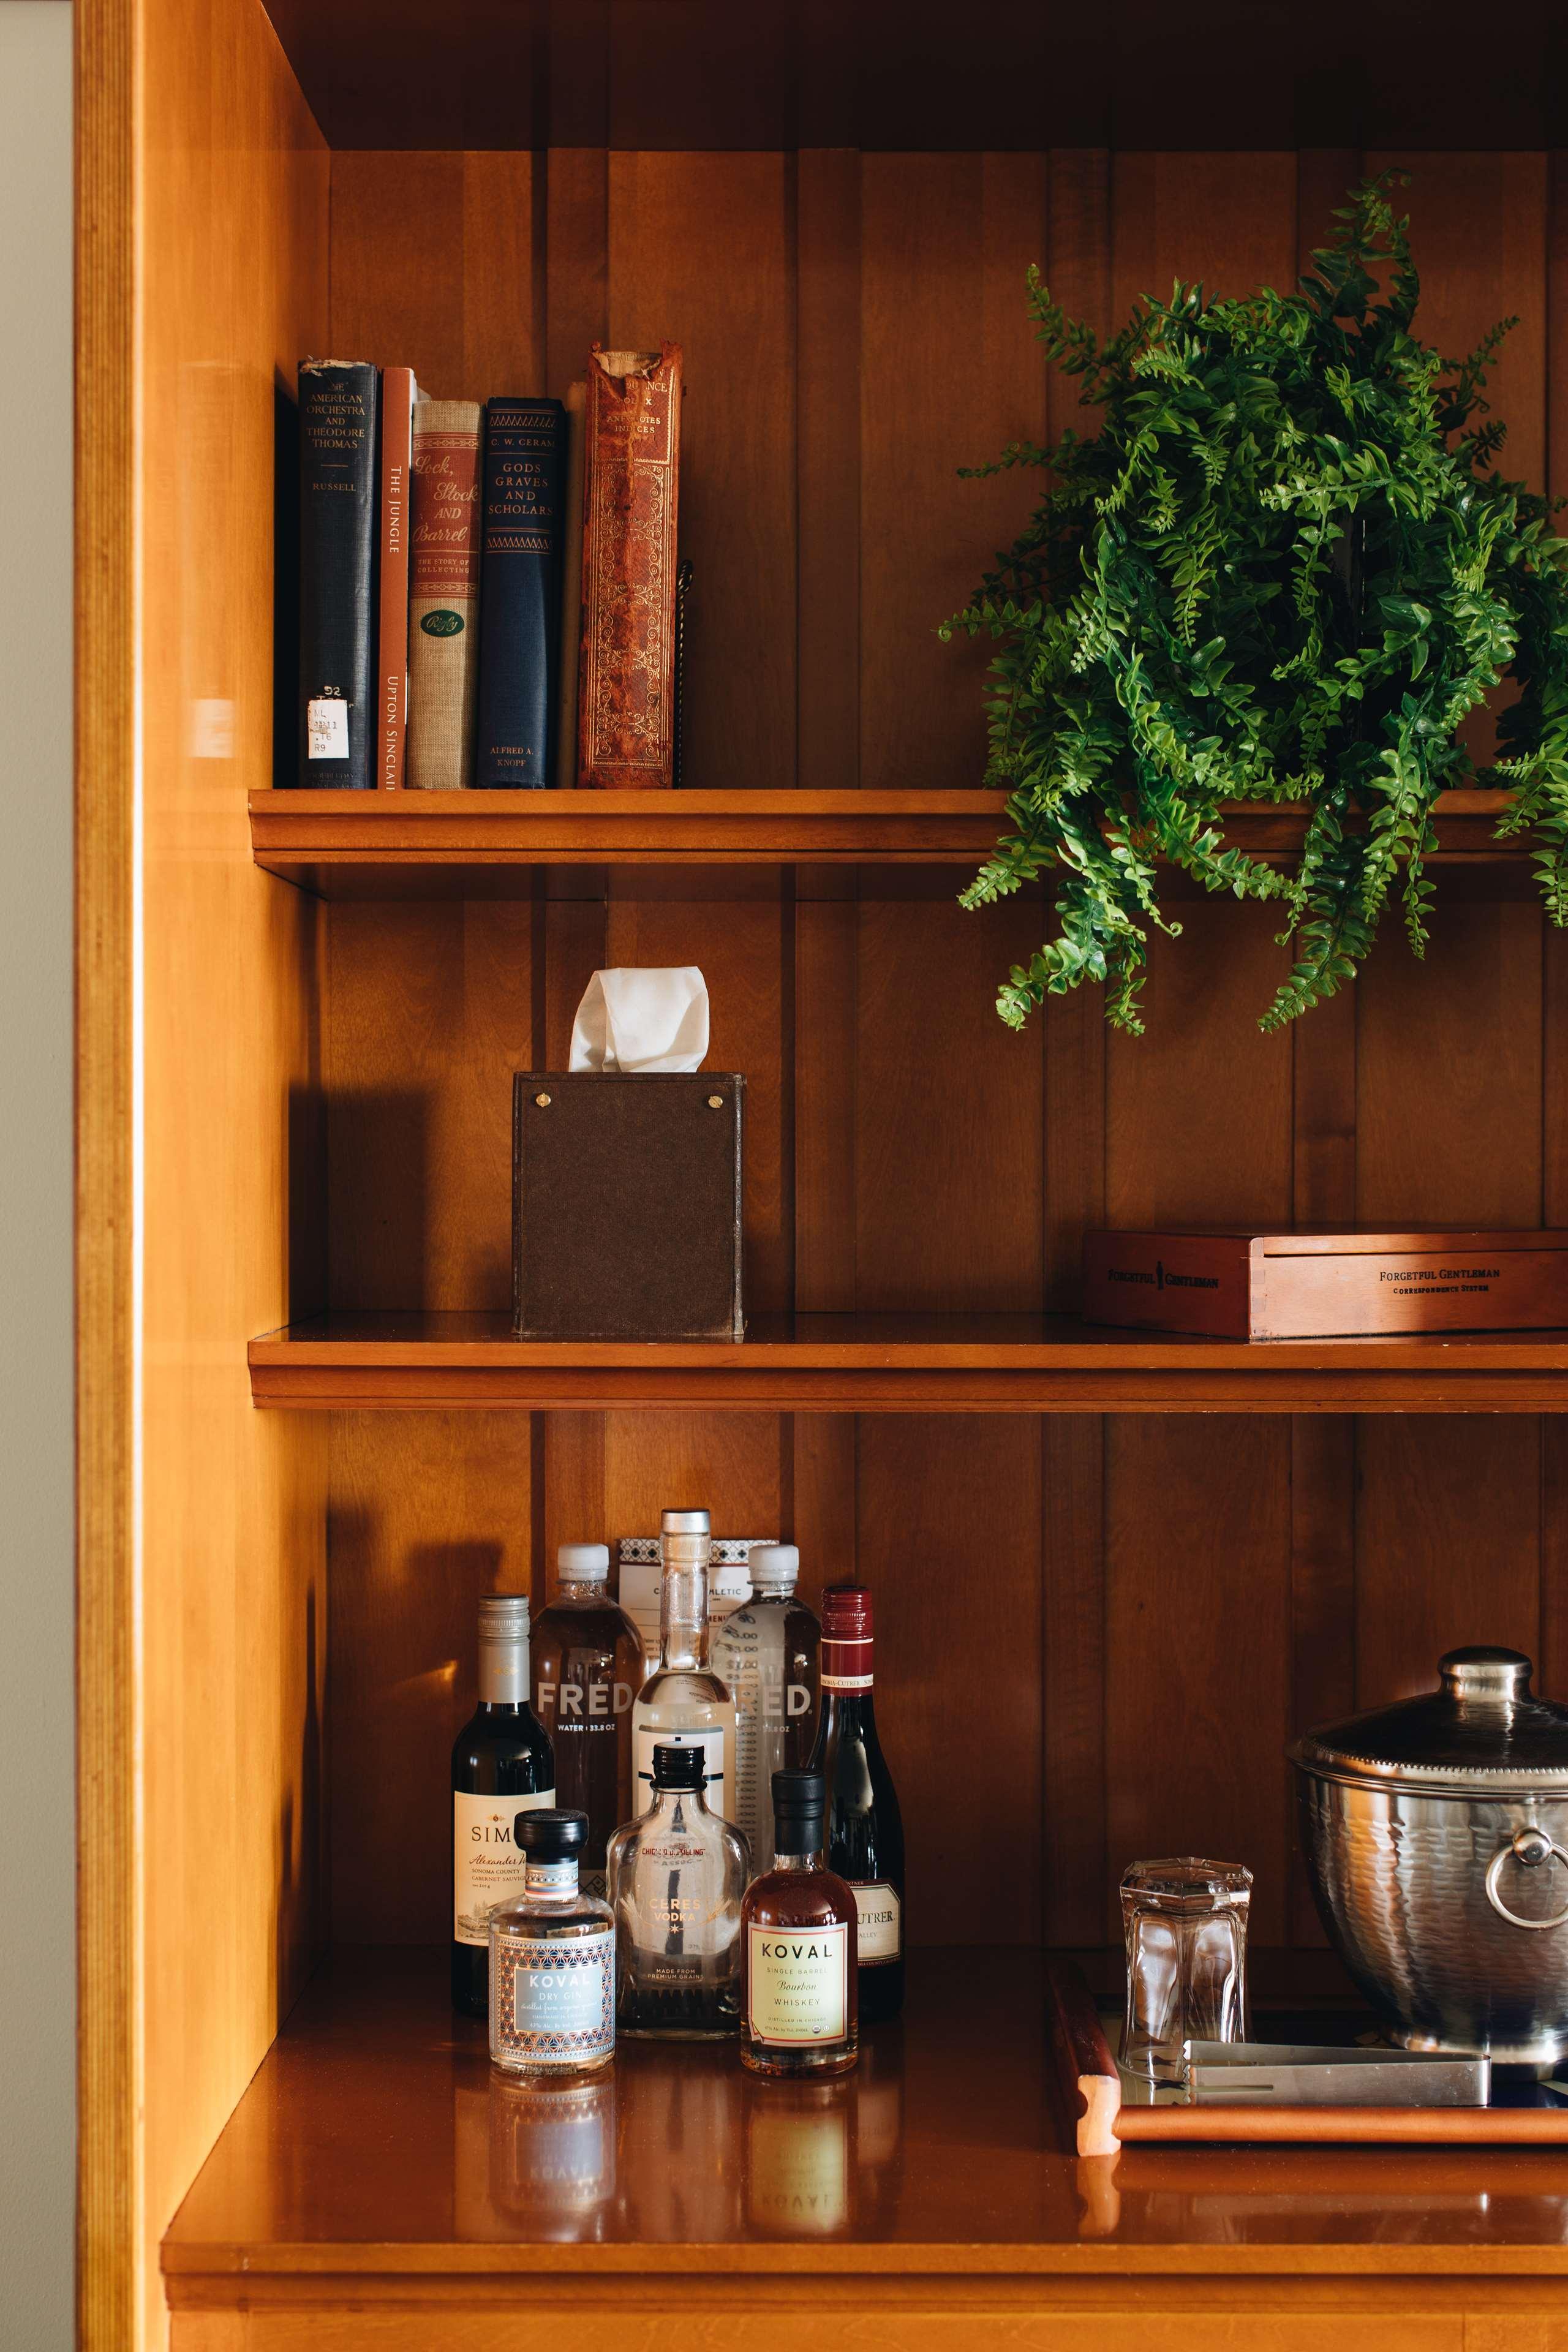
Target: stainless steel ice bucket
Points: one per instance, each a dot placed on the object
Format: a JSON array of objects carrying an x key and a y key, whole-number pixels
[{"x": 1436, "y": 1834}]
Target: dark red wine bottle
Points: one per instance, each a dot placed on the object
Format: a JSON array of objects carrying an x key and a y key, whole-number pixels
[
  {"x": 864, "y": 1830},
  {"x": 502, "y": 1765}
]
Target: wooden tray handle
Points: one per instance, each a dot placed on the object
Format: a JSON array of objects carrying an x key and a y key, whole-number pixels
[{"x": 1081, "y": 2062}]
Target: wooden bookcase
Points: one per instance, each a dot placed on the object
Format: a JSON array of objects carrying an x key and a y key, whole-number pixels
[{"x": 1114, "y": 1573}]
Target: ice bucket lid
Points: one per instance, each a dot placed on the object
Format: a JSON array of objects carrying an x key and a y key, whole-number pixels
[{"x": 1480, "y": 1731}]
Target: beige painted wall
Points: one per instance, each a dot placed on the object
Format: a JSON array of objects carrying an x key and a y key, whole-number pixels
[{"x": 37, "y": 1813}]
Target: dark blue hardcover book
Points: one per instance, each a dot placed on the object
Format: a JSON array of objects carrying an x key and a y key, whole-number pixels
[
  {"x": 339, "y": 403},
  {"x": 520, "y": 593}
]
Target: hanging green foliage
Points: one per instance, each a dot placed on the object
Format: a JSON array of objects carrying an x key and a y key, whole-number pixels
[{"x": 1283, "y": 570}]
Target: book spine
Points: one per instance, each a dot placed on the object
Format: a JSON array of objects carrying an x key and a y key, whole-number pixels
[
  {"x": 398, "y": 393},
  {"x": 337, "y": 699},
  {"x": 444, "y": 597},
  {"x": 630, "y": 496},
  {"x": 571, "y": 590},
  {"x": 520, "y": 592}
]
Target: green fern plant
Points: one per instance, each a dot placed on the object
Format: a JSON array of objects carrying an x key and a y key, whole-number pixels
[{"x": 1284, "y": 570}]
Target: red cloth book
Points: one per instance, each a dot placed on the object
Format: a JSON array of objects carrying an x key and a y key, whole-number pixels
[
  {"x": 626, "y": 733},
  {"x": 398, "y": 394}
]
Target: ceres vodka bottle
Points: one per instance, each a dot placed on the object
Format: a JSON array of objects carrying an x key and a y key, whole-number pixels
[
  {"x": 767, "y": 1652},
  {"x": 683, "y": 1703}
]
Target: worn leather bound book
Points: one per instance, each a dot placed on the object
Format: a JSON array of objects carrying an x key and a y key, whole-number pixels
[
  {"x": 398, "y": 393},
  {"x": 444, "y": 597},
  {"x": 1326, "y": 1286},
  {"x": 520, "y": 593},
  {"x": 626, "y": 732},
  {"x": 338, "y": 508}
]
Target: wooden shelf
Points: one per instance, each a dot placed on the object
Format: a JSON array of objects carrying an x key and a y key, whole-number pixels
[
  {"x": 391, "y": 845},
  {"x": 898, "y": 1364},
  {"x": 902, "y": 76},
  {"x": 374, "y": 2161}
]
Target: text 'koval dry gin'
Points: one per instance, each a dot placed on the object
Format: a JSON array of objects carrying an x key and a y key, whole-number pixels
[
  {"x": 798, "y": 1995},
  {"x": 683, "y": 1703},
  {"x": 501, "y": 1765}
]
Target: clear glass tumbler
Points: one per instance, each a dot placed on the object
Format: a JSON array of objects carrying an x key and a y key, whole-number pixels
[{"x": 1185, "y": 1925}]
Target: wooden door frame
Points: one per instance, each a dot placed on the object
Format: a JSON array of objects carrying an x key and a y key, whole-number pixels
[{"x": 107, "y": 414}]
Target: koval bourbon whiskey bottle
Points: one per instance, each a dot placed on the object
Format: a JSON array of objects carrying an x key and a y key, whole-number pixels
[
  {"x": 798, "y": 2013},
  {"x": 864, "y": 1830},
  {"x": 683, "y": 1703}
]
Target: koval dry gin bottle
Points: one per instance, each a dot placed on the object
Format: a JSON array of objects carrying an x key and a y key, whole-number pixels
[
  {"x": 587, "y": 1670},
  {"x": 551, "y": 1960},
  {"x": 677, "y": 1877},
  {"x": 501, "y": 1764},
  {"x": 683, "y": 1703},
  {"x": 766, "y": 1652}
]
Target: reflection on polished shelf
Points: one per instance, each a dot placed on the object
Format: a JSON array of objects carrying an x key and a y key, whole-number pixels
[
  {"x": 943, "y": 2143},
  {"x": 816, "y": 2159}
]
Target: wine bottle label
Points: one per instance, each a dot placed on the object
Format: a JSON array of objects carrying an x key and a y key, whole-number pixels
[
  {"x": 552, "y": 1998},
  {"x": 880, "y": 1933},
  {"x": 711, "y": 1743},
  {"x": 798, "y": 1988},
  {"x": 486, "y": 1867},
  {"x": 847, "y": 1665}
]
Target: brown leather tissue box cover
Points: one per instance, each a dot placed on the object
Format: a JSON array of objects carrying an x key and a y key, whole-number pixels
[{"x": 626, "y": 1206}]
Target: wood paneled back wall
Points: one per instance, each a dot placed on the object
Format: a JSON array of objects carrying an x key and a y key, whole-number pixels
[{"x": 1096, "y": 1639}]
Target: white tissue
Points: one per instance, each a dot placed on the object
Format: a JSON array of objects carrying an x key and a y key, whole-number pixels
[{"x": 642, "y": 1021}]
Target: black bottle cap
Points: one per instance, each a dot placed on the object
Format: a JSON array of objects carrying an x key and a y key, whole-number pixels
[
  {"x": 679, "y": 1768},
  {"x": 799, "y": 1798},
  {"x": 549, "y": 1835}
]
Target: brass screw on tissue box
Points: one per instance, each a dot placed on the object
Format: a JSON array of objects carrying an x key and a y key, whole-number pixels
[{"x": 626, "y": 1206}]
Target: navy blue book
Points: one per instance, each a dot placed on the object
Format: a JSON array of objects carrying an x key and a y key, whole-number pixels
[
  {"x": 520, "y": 593},
  {"x": 338, "y": 514}
]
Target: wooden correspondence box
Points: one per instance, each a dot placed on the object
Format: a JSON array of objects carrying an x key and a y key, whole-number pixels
[
  {"x": 626, "y": 1206},
  {"x": 1322, "y": 1285}
]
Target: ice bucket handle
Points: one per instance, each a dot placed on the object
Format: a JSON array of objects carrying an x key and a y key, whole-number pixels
[{"x": 1532, "y": 1847}]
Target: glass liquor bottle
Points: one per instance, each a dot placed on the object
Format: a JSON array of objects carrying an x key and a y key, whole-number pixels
[
  {"x": 502, "y": 1765},
  {"x": 798, "y": 2013},
  {"x": 766, "y": 1652},
  {"x": 865, "y": 1829},
  {"x": 551, "y": 1960},
  {"x": 683, "y": 1703},
  {"x": 587, "y": 1670},
  {"x": 677, "y": 1877}
]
